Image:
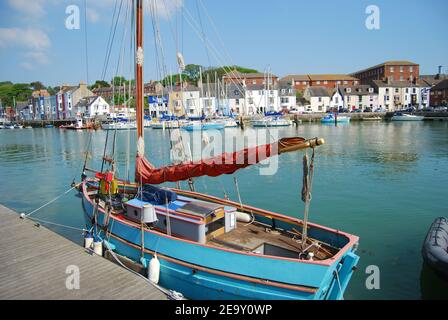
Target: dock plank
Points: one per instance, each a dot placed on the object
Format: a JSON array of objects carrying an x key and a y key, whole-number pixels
[{"x": 34, "y": 260}]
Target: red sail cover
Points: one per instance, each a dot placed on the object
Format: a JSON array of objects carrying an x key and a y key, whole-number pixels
[{"x": 227, "y": 163}]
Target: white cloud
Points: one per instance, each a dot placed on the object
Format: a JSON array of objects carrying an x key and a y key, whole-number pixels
[
  {"x": 39, "y": 57},
  {"x": 25, "y": 38},
  {"x": 28, "y": 8}
]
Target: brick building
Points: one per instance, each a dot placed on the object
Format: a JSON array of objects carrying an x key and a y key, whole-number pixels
[
  {"x": 390, "y": 70},
  {"x": 439, "y": 94},
  {"x": 329, "y": 81}
]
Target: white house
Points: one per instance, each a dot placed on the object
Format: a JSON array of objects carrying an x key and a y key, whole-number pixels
[
  {"x": 236, "y": 99},
  {"x": 397, "y": 95},
  {"x": 185, "y": 101},
  {"x": 336, "y": 100},
  {"x": 260, "y": 100},
  {"x": 91, "y": 107},
  {"x": 318, "y": 97},
  {"x": 287, "y": 96},
  {"x": 359, "y": 97}
]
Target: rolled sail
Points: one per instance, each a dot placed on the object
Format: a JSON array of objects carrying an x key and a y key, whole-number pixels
[{"x": 227, "y": 163}]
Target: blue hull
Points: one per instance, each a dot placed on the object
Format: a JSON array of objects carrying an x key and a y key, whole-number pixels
[
  {"x": 204, "y": 272},
  {"x": 204, "y": 127},
  {"x": 333, "y": 120}
]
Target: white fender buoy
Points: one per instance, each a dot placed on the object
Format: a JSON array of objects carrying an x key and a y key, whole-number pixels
[
  {"x": 205, "y": 138},
  {"x": 88, "y": 241},
  {"x": 154, "y": 270},
  {"x": 243, "y": 217},
  {"x": 98, "y": 247}
]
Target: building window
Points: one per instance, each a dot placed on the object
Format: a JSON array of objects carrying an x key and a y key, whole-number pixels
[
  {"x": 401, "y": 78},
  {"x": 338, "y": 82},
  {"x": 237, "y": 102},
  {"x": 345, "y": 82},
  {"x": 325, "y": 82},
  {"x": 401, "y": 69},
  {"x": 407, "y": 90},
  {"x": 411, "y": 69},
  {"x": 397, "y": 90},
  {"x": 305, "y": 83},
  {"x": 320, "y": 99},
  {"x": 391, "y": 69},
  {"x": 254, "y": 82},
  {"x": 318, "y": 82},
  {"x": 413, "y": 90}
]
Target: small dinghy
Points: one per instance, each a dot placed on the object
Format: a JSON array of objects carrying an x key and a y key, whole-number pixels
[{"x": 435, "y": 247}]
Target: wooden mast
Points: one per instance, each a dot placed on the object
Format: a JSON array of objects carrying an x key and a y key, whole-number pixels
[{"x": 139, "y": 71}]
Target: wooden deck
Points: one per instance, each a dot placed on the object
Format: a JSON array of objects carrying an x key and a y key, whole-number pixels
[{"x": 34, "y": 261}]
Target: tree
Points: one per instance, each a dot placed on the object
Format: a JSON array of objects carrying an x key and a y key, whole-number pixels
[
  {"x": 119, "y": 81},
  {"x": 37, "y": 85},
  {"x": 192, "y": 71},
  {"x": 100, "y": 84}
]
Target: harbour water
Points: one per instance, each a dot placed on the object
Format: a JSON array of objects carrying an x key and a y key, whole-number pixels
[{"x": 385, "y": 182}]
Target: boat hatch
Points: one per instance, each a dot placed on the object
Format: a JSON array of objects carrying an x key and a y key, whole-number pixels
[{"x": 276, "y": 251}]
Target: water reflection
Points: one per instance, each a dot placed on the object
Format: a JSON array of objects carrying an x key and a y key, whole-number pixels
[{"x": 432, "y": 286}]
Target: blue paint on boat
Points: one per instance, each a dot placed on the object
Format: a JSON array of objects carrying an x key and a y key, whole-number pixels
[
  {"x": 207, "y": 272},
  {"x": 331, "y": 118},
  {"x": 204, "y": 127}
]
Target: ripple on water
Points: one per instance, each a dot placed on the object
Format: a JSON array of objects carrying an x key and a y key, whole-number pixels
[{"x": 22, "y": 153}]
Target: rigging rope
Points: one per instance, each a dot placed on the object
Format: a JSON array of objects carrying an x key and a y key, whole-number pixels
[
  {"x": 308, "y": 173},
  {"x": 50, "y": 202},
  {"x": 171, "y": 294}
]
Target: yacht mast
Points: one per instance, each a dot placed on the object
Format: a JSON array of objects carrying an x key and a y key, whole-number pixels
[{"x": 139, "y": 73}]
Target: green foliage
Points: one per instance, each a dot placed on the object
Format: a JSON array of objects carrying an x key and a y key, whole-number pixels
[
  {"x": 192, "y": 74},
  {"x": 100, "y": 84},
  {"x": 19, "y": 91},
  {"x": 37, "y": 85}
]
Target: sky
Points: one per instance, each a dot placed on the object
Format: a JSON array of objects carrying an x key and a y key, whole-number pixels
[{"x": 284, "y": 36}]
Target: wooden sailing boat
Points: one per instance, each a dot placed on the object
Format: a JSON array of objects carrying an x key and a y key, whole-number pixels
[{"x": 212, "y": 248}]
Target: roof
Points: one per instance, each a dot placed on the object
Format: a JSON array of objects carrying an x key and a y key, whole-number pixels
[
  {"x": 389, "y": 63},
  {"x": 318, "y": 91},
  {"x": 433, "y": 79},
  {"x": 235, "y": 91},
  {"x": 237, "y": 74},
  {"x": 295, "y": 77},
  {"x": 255, "y": 87},
  {"x": 319, "y": 77},
  {"x": 442, "y": 85},
  {"x": 331, "y": 77},
  {"x": 359, "y": 90},
  {"x": 394, "y": 84}
]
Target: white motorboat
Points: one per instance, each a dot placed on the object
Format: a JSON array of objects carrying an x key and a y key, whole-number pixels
[
  {"x": 119, "y": 126},
  {"x": 271, "y": 122},
  {"x": 406, "y": 117},
  {"x": 162, "y": 125}
]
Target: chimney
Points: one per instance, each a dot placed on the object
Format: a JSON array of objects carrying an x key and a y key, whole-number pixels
[{"x": 83, "y": 85}]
